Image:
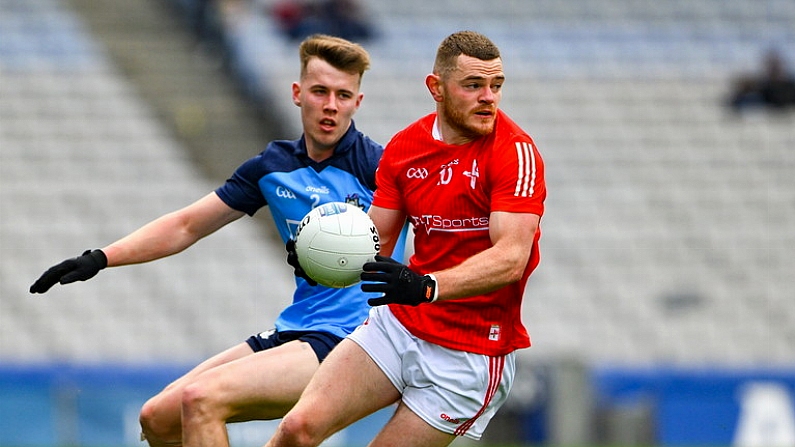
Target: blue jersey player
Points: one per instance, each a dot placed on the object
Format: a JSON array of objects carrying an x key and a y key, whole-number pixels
[{"x": 263, "y": 377}]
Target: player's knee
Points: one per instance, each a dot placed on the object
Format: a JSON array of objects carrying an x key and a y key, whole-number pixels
[
  {"x": 198, "y": 400},
  {"x": 296, "y": 429},
  {"x": 156, "y": 427},
  {"x": 148, "y": 415}
]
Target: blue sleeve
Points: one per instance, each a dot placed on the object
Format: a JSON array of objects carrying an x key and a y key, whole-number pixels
[{"x": 241, "y": 191}]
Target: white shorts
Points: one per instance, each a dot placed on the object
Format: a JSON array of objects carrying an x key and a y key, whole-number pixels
[{"x": 454, "y": 391}]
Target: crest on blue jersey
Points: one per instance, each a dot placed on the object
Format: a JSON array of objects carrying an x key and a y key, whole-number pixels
[{"x": 332, "y": 208}]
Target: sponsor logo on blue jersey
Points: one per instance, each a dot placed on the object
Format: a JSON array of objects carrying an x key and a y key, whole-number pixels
[{"x": 284, "y": 193}]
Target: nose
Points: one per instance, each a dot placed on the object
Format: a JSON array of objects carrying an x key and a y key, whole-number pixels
[
  {"x": 331, "y": 104},
  {"x": 488, "y": 96}
]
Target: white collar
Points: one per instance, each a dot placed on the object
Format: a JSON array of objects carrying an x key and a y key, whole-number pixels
[{"x": 436, "y": 132}]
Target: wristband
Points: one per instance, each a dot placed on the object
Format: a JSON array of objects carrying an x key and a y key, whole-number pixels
[{"x": 435, "y": 289}]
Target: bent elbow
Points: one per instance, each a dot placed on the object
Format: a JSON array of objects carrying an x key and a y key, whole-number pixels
[
  {"x": 516, "y": 274},
  {"x": 518, "y": 266}
]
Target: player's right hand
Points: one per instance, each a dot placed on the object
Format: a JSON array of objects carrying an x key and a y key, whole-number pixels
[
  {"x": 398, "y": 283},
  {"x": 80, "y": 268},
  {"x": 292, "y": 259}
]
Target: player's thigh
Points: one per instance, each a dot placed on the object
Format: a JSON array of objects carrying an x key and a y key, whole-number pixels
[
  {"x": 405, "y": 428},
  {"x": 229, "y": 355},
  {"x": 163, "y": 412},
  {"x": 171, "y": 396},
  {"x": 347, "y": 386},
  {"x": 264, "y": 385}
]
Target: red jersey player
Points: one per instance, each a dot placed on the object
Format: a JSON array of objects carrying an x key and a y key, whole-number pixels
[
  {"x": 451, "y": 209},
  {"x": 472, "y": 183}
]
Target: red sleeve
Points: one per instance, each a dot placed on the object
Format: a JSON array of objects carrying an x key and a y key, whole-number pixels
[{"x": 518, "y": 183}]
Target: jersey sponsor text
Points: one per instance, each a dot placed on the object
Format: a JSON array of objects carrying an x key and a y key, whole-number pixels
[{"x": 439, "y": 223}]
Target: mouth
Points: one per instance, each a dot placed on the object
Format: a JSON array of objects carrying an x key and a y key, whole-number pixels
[
  {"x": 484, "y": 113},
  {"x": 327, "y": 124}
]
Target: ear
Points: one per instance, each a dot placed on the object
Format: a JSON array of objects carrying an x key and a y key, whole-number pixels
[
  {"x": 296, "y": 94},
  {"x": 434, "y": 84},
  {"x": 359, "y": 99}
]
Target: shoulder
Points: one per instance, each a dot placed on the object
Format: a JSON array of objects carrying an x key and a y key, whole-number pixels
[
  {"x": 511, "y": 138},
  {"x": 412, "y": 137},
  {"x": 278, "y": 156},
  {"x": 507, "y": 129},
  {"x": 364, "y": 145},
  {"x": 280, "y": 150},
  {"x": 360, "y": 149},
  {"x": 419, "y": 128}
]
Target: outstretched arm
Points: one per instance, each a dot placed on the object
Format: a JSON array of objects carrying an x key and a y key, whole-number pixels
[
  {"x": 172, "y": 233},
  {"x": 165, "y": 236}
]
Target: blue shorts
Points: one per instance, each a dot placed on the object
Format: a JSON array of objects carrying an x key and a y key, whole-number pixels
[{"x": 321, "y": 342}]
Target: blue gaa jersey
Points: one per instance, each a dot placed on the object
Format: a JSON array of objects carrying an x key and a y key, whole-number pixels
[{"x": 285, "y": 178}]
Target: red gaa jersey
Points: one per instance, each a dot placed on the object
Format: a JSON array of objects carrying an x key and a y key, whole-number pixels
[{"x": 449, "y": 192}]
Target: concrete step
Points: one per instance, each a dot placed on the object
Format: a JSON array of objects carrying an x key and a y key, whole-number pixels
[{"x": 186, "y": 85}]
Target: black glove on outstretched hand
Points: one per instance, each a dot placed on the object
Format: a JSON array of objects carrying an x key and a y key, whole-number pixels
[
  {"x": 80, "y": 268},
  {"x": 397, "y": 282},
  {"x": 292, "y": 259}
]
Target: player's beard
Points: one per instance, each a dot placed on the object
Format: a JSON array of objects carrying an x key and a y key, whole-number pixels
[{"x": 459, "y": 120}]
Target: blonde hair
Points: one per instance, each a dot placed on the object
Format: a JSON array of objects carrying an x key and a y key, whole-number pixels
[
  {"x": 339, "y": 53},
  {"x": 468, "y": 43}
]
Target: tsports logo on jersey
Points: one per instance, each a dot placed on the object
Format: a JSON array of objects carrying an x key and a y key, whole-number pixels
[{"x": 439, "y": 223}]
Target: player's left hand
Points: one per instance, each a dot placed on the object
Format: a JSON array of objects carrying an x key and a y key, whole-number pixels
[
  {"x": 397, "y": 282},
  {"x": 292, "y": 259}
]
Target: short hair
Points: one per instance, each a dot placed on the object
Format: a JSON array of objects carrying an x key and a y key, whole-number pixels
[
  {"x": 468, "y": 43},
  {"x": 339, "y": 53}
]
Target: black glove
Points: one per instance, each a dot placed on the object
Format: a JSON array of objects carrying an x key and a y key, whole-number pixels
[
  {"x": 398, "y": 283},
  {"x": 80, "y": 268},
  {"x": 292, "y": 259}
]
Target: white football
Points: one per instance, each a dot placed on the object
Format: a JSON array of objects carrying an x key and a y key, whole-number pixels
[{"x": 334, "y": 241}]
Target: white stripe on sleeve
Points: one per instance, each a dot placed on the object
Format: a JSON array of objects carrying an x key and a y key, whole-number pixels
[{"x": 526, "y": 176}]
